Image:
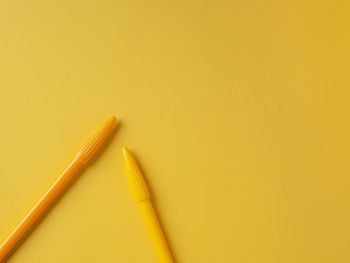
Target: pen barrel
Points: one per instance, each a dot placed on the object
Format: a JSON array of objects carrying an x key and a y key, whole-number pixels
[
  {"x": 33, "y": 215},
  {"x": 156, "y": 232}
]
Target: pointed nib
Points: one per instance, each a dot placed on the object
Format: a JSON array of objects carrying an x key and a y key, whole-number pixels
[
  {"x": 137, "y": 183},
  {"x": 89, "y": 149},
  {"x": 111, "y": 122},
  {"x": 126, "y": 154}
]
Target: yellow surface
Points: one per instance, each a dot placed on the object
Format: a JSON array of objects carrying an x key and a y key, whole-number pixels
[{"x": 246, "y": 100}]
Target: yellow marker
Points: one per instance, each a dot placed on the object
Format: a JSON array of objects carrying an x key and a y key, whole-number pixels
[
  {"x": 86, "y": 152},
  {"x": 142, "y": 196}
]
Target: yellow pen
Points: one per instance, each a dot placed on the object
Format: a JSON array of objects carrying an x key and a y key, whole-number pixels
[
  {"x": 86, "y": 152},
  {"x": 142, "y": 196}
]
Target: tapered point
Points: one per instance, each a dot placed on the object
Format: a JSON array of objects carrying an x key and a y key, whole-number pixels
[{"x": 111, "y": 122}]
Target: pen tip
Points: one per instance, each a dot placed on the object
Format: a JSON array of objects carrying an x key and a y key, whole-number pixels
[
  {"x": 111, "y": 121},
  {"x": 137, "y": 182},
  {"x": 127, "y": 156},
  {"x": 125, "y": 150},
  {"x": 97, "y": 139}
]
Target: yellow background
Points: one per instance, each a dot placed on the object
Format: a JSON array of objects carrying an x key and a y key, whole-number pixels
[{"x": 238, "y": 112}]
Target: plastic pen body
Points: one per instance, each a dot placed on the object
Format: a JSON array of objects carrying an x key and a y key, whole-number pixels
[
  {"x": 155, "y": 231},
  {"x": 86, "y": 152},
  {"x": 39, "y": 208},
  {"x": 142, "y": 196}
]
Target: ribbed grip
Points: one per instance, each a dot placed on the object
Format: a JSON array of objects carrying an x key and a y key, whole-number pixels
[
  {"x": 88, "y": 149},
  {"x": 137, "y": 183}
]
